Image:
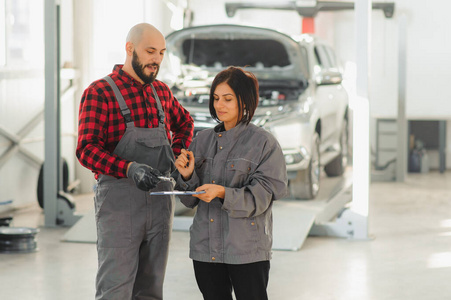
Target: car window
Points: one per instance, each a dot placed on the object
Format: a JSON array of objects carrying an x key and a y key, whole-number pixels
[
  {"x": 332, "y": 57},
  {"x": 318, "y": 59},
  {"x": 322, "y": 57}
]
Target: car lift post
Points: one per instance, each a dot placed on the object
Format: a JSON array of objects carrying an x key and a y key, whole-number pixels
[
  {"x": 352, "y": 222},
  {"x": 58, "y": 207},
  {"x": 361, "y": 143}
]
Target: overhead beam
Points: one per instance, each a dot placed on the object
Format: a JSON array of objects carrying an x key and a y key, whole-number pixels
[{"x": 307, "y": 8}]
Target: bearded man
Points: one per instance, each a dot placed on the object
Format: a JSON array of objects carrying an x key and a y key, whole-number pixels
[{"x": 130, "y": 130}]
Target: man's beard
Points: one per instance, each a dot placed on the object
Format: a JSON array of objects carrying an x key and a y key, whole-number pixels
[{"x": 139, "y": 69}]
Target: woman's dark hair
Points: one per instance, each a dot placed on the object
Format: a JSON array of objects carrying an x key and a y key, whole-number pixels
[{"x": 245, "y": 86}]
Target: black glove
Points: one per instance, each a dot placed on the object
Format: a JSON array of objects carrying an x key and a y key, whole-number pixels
[{"x": 144, "y": 176}]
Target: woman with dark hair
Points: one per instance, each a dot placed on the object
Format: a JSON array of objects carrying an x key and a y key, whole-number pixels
[{"x": 240, "y": 170}]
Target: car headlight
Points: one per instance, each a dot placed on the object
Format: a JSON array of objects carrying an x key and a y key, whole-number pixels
[
  {"x": 303, "y": 107},
  {"x": 292, "y": 158}
]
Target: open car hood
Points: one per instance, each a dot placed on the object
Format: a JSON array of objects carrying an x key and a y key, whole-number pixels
[{"x": 199, "y": 53}]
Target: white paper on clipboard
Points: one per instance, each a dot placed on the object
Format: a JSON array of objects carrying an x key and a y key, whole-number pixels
[{"x": 176, "y": 193}]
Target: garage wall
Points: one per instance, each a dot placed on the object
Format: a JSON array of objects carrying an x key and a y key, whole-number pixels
[
  {"x": 428, "y": 58},
  {"x": 213, "y": 12},
  {"x": 111, "y": 23},
  {"x": 428, "y": 62}
]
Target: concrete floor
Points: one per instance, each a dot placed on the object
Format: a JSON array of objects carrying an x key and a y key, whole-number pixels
[{"x": 409, "y": 256}]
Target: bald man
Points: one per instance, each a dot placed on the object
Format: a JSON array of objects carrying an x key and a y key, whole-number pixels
[{"x": 130, "y": 129}]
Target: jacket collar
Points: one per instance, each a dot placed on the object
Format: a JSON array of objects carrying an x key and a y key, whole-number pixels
[{"x": 231, "y": 133}]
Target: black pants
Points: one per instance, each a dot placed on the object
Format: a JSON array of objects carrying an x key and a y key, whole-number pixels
[{"x": 216, "y": 281}]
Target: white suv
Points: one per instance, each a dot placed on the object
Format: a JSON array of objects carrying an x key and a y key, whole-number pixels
[{"x": 302, "y": 101}]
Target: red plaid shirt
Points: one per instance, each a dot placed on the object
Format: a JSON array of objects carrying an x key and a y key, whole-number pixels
[{"x": 101, "y": 125}]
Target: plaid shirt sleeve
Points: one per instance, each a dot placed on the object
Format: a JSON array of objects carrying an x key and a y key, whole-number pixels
[
  {"x": 93, "y": 125},
  {"x": 178, "y": 119}
]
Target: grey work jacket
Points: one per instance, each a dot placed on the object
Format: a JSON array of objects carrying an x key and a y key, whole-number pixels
[{"x": 248, "y": 161}]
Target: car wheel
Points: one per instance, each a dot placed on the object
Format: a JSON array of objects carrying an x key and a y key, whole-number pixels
[
  {"x": 40, "y": 188},
  {"x": 338, "y": 165},
  {"x": 306, "y": 184}
]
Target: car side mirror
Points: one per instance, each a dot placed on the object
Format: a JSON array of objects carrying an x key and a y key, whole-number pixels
[{"x": 328, "y": 77}]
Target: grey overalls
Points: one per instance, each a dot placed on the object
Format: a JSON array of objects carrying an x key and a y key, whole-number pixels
[{"x": 134, "y": 228}]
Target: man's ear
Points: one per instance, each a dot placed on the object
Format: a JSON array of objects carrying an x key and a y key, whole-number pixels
[{"x": 129, "y": 48}]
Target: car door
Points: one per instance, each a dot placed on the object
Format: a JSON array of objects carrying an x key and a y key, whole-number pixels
[{"x": 327, "y": 96}]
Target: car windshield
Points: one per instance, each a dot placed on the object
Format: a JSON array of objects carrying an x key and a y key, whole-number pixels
[{"x": 218, "y": 53}]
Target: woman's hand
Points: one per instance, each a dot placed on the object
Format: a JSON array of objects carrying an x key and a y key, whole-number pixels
[
  {"x": 211, "y": 191},
  {"x": 185, "y": 164}
]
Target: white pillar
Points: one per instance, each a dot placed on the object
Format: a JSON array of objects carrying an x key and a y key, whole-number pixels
[
  {"x": 361, "y": 152},
  {"x": 83, "y": 64}
]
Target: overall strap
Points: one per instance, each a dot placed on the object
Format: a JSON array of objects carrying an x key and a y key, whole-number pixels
[
  {"x": 125, "y": 111},
  {"x": 160, "y": 108}
]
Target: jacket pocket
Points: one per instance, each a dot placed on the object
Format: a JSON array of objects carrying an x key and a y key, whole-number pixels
[
  {"x": 238, "y": 172},
  {"x": 243, "y": 237},
  {"x": 159, "y": 157}
]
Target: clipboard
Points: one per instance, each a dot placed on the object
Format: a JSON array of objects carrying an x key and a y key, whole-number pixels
[{"x": 183, "y": 193}]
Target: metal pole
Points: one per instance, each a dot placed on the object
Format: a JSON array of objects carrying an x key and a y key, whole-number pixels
[
  {"x": 59, "y": 166},
  {"x": 442, "y": 145},
  {"x": 363, "y": 37},
  {"x": 402, "y": 149},
  {"x": 50, "y": 114}
]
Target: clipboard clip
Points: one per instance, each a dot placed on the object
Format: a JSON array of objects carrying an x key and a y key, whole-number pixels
[{"x": 164, "y": 178}]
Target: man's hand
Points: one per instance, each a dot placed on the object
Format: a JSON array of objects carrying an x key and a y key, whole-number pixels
[
  {"x": 144, "y": 176},
  {"x": 211, "y": 191}
]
